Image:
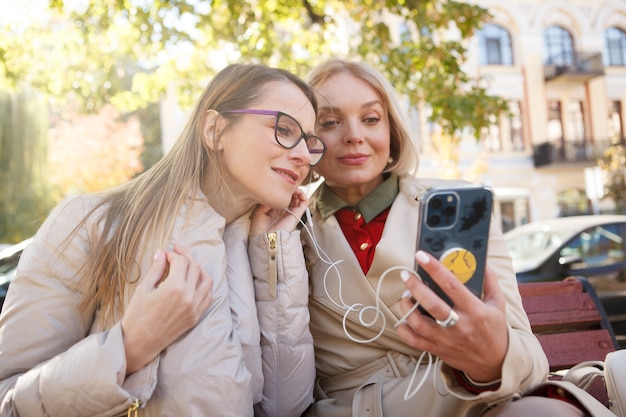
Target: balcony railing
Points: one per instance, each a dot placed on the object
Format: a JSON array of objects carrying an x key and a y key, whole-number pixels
[
  {"x": 568, "y": 152},
  {"x": 579, "y": 66}
]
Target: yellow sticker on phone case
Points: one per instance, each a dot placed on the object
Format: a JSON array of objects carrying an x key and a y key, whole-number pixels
[{"x": 461, "y": 262}]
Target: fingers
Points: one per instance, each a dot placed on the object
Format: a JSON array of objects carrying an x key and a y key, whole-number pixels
[
  {"x": 474, "y": 339},
  {"x": 199, "y": 283},
  {"x": 157, "y": 270},
  {"x": 457, "y": 292},
  {"x": 299, "y": 199},
  {"x": 185, "y": 273},
  {"x": 424, "y": 296},
  {"x": 299, "y": 203},
  {"x": 265, "y": 219},
  {"x": 260, "y": 211}
]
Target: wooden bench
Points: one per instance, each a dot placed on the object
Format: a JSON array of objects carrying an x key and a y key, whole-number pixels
[{"x": 568, "y": 319}]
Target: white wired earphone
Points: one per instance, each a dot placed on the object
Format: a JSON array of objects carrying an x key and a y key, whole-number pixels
[{"x": 323, "y": 256}]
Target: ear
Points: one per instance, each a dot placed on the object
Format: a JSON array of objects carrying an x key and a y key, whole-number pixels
[{"x": 212, "y": 130}]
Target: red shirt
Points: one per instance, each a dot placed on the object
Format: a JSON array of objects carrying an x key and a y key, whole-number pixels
[{"x": 362, "y": 237}]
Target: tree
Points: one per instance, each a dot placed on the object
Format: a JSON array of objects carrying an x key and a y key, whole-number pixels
[
  {"x": 613, "y": 164},
  {"x": 127, "y": 53},
  {"x": 24, "y": 192},
  {"x": 93, "y": 152}
]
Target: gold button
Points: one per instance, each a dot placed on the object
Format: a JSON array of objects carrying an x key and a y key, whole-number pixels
[
  {"x": 364, "y": 246},
  {"x": 357, "y": 216}
]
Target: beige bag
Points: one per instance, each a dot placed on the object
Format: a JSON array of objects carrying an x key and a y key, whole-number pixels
[
  {"x": 612, "y": 370},
  {"x": 615, "y": 380}
]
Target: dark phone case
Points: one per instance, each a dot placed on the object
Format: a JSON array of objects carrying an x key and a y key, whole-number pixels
[{"x": 459, "y": 242}]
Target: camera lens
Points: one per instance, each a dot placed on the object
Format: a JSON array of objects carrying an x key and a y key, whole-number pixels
[
  {"x": 436, "y": 203},
  {"x": 449, "y": 211},
  {"x": 434, "y": 220}
]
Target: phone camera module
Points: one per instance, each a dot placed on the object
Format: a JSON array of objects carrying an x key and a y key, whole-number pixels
[{"x": 442, "y": 210}]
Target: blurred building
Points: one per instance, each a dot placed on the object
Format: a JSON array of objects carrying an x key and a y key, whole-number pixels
[{"x": 561, "y": 64}]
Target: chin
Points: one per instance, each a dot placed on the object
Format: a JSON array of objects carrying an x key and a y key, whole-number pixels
[{"x": 277, "y": 202}]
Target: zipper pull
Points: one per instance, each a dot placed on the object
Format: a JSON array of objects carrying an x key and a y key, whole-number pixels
[
  {"x": 272, "y": 237},
  {"x": 132, "y": 409}
]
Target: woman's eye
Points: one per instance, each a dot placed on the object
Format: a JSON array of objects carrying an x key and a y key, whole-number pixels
[
  {"x": 371, "y": 120},
  {"x": 328, "y": 124},
  {"x": 283, "y": 130}
]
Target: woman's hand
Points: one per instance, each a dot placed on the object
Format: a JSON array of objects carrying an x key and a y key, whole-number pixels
[
  {"x": 167, "y": 302},
  {"x": 265, "y": 219},
  {"x": 478, "y": 342}
]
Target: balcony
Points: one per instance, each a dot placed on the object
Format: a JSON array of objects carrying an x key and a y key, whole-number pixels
[
  {"x": 564, "y": 152},
  {"x": 580, "y": 67}
]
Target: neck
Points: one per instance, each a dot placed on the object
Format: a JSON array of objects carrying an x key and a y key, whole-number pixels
[
  {"x": 352, "y": 194},
  {"x": 225, "y": 199}
]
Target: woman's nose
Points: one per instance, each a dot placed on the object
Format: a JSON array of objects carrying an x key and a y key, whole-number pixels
[
  {"x": 301, "y": 153},
  {"x": 353, "y": 133}
]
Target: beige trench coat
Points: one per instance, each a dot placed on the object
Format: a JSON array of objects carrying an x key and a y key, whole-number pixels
[{"x": 370, "y": 379}]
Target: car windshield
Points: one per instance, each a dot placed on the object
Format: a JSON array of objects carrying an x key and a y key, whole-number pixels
[{"x": 535, "y": 243}]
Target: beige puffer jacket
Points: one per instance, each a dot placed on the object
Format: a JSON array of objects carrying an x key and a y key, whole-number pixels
[{"x": 54, "y": 362}]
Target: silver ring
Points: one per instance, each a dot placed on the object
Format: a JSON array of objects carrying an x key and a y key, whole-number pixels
[{"x": 450, "y": 321}]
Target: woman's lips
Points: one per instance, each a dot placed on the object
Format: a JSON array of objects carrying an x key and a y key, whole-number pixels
[
  {"x": 287, "y": 174},
  {"x": 354, "y": 159}
]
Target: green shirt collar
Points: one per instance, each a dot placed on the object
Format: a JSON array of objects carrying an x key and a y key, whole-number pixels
[{"x": 370, "y": 206}]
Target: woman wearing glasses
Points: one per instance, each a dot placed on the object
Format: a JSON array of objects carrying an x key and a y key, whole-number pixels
[{"x": 143, "y": 297}]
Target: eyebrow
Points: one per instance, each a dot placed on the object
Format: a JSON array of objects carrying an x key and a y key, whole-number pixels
[{"x": 335, "y": 109}]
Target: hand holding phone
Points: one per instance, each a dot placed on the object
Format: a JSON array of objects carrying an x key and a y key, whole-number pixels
[{"x": 454, "y": 228}]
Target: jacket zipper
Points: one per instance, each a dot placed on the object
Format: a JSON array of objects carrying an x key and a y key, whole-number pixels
[
  {"x": 132, "y": 409},
  {"x": 273, "y": 273}
]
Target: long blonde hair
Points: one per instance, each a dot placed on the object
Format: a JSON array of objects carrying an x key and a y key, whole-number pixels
[
  {"x": 139, "y": 215},
  {"x": 402, "y": 133}
]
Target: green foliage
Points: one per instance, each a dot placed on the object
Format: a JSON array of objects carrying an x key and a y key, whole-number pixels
[
  {"x": 613, "y": 163},
  {"x": 128, "y": 52},
  {"x": 25, "y": 194}
]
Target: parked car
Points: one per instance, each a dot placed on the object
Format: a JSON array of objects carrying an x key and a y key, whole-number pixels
[
  {"x": 591, "y": 246},
  {"x": 9, "y": 257}
]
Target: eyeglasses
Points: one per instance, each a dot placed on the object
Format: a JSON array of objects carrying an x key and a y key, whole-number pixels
[{"x": 288, "y": 133}]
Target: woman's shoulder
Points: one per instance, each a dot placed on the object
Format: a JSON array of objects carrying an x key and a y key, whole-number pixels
[{"x": 69, "y": 214}]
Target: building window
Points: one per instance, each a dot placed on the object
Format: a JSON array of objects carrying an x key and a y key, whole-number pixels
[
  {"x": 492, "y": 137},
  {"x": 515, "y": 126},
  {"x": 494, "y": 46},
  {"x": 559, "y": 46},
  {"x": 505, "y": 132},
  {"x": 555, "y": 125},
  {"x": 614, "y": 125},
  {"x": 574, "y": 146},
  {"x": 575, "y": 121},
  {"x": 615, "y": 44}
]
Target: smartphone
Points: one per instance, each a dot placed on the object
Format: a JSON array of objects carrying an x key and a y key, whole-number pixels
[{"x": 454, "y": 228}]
